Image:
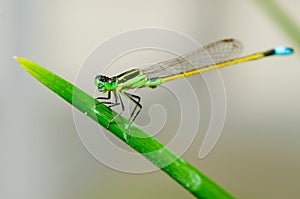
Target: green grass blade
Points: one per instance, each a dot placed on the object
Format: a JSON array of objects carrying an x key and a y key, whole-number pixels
[{"x": 178, "y": 169}]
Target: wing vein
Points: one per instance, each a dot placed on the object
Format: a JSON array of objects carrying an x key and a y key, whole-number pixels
[{"x": 210, "y": 54}]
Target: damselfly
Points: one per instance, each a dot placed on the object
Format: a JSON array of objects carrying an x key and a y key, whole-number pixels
[{"x": 220, "y": 53}]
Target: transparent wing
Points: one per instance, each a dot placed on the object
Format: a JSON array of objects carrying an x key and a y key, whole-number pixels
[{"x": 210, "y": 54}]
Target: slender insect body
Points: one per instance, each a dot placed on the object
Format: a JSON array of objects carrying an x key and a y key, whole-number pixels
[{"x": 222, "y": 53}]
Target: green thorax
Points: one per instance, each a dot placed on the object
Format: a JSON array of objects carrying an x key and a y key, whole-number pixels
[{"x": 135, "y": 79}]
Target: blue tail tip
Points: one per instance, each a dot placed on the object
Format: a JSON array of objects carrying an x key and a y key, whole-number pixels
[{"x": 282, "y": 50}]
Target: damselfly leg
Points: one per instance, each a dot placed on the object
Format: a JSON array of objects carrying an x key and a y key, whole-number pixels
[
  {"x": 118, "y": 101},
  {"x": 112, "y": 104},
  {"x": 136, "y": 100}
]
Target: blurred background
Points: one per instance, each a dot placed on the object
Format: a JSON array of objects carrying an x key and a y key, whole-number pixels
[{"x": 257, "y": 155}]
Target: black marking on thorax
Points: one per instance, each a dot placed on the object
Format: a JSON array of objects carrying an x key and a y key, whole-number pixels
[{"x": 128, "y": 75}]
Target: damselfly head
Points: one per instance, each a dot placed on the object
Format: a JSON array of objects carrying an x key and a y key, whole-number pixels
[{"x": 105, "y": 83}]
